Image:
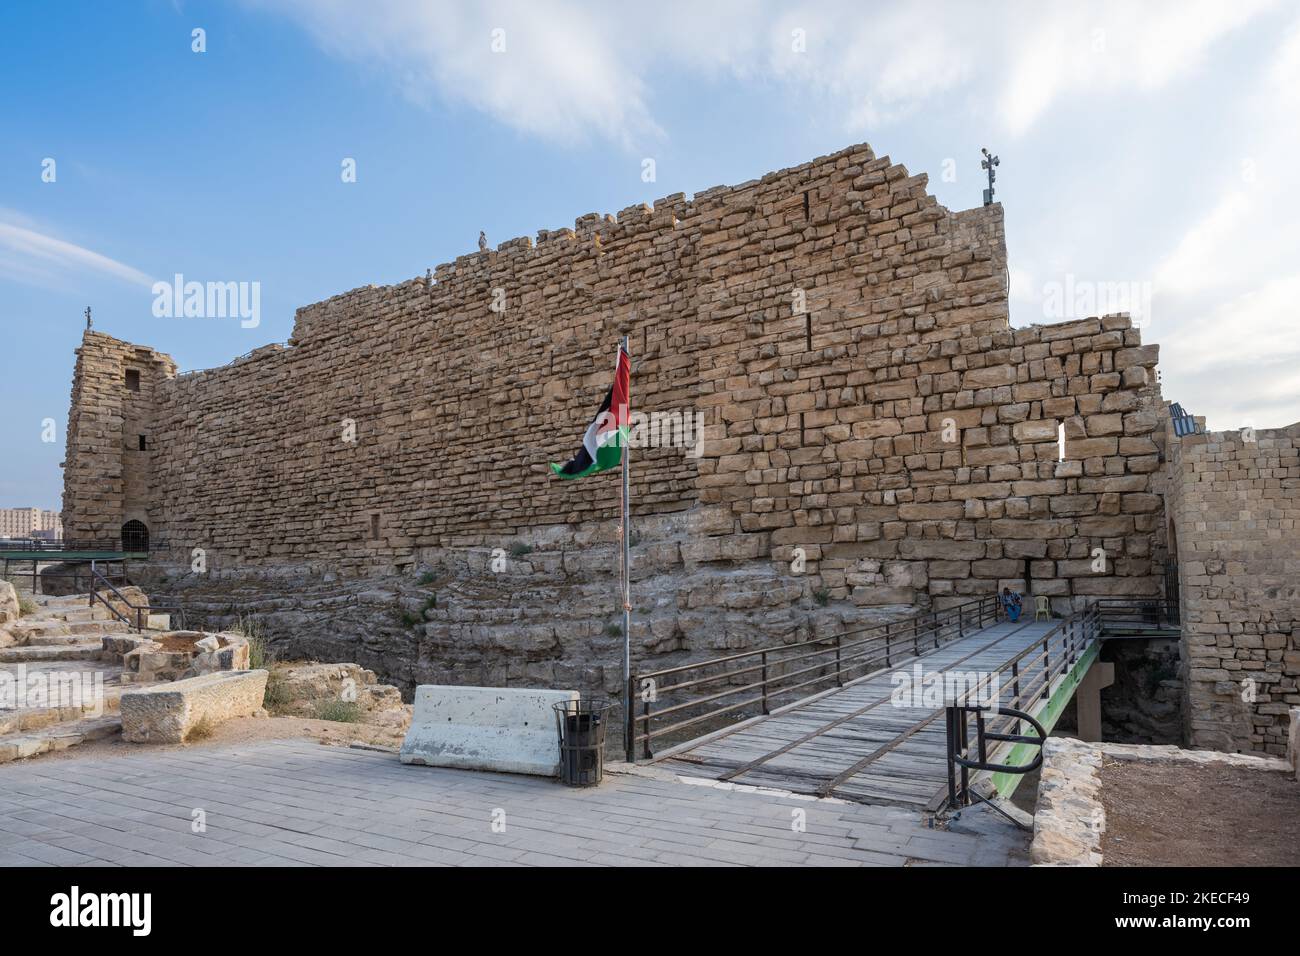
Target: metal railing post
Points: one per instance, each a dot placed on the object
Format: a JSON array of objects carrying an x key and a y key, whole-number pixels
[
  {"x": 765, "y": 710},
  {"x": 1047, "y": 665},
  {"x": 629, "y": 722},
  {"x": 889, "y": 640},
  {"x": 645, "y": 751},
  {"x": 839, "y": 674},
  {"x": 950, "y": 716},
  {"x": 963, "y": 731}
]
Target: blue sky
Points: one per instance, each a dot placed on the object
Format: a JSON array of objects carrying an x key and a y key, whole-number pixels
[{"x": 1148, "y": 151}]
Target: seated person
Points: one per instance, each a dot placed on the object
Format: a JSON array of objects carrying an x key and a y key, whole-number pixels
[{"x": 1011, "y": 601}]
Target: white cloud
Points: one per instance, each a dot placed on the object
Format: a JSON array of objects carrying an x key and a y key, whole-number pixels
[
  {"x": 1231, "y": 282},
  {"x": 572, "y": 70},
  {"x": 1197, "y": 262},
  {"x": 1257, "y": 328},
  {"x": 27, "y": 255},
  {"x": 560, "y": 76},
  {"x": 1022, "y": 288},
  {"x": 1072, "y": 48}
]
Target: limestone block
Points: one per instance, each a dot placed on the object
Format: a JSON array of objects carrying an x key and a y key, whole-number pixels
[
  {"x": 9, "y": 610},
  {"x": 507, "y": 729},
  {"x": 117, "y": 646},
  {"x": 1143, "y": 355},
  {"x": 1039, "y": 430},
  {"x": 167, "y": 713},
  {"x": 989, "y": 376},
  {"x": 220, "y": 652},
  {"x": 865, "y": 596}
]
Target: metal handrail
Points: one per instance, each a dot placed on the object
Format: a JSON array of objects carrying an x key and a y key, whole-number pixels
[
  {"x": 961, "y": 764},
  {"x": 142, "y": 611},
  {"x": 959, "y": 754},
  {"x": 39, "y": 546},
  {"x": 1029, "y": 682},
  {"x": 1149, "y": 612},
  {"x": 885, "y": 643},
  {"x": 60, "y": 544}
]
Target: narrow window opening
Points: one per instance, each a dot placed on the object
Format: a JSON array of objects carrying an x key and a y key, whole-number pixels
[
  {"x": 374, "y": 527},
  {"x": 144, "y": 443},
  {"x": 132, "y": 380},
  {"x": 807, "y": 214},
  {"x": 807, "y": 329}
]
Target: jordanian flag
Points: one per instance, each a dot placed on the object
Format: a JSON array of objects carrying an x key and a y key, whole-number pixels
[{"x": 602, "y": 445}]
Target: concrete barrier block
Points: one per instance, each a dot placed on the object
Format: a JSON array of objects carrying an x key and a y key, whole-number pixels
[
  {"x": 167, "y": 713},
  {"x": 506, "y": 729},
  {"x": 1293, "y": 742}
]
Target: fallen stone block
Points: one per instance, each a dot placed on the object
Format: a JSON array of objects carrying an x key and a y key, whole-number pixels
[
  {"x": 507, "y": 729},
  {"x": 17, "y": 748},
  {"x": 167, "y": 713}
]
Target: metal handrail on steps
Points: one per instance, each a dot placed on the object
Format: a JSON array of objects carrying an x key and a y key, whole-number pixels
[{"x": 142, "y": 611}]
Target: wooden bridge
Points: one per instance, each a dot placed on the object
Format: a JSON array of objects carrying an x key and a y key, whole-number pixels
[{"x": 882, "y": 715}]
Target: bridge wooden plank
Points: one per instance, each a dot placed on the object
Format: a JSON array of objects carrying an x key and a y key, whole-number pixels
[{"x": 809, "y": 746}]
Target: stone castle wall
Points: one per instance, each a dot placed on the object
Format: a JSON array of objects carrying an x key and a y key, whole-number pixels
[
  {"x": 868, "y": 410},
  {"x": 1234, "y": 508}
]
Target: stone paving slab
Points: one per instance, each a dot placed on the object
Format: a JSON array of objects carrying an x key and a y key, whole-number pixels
[{"x": 299, "y": 803}]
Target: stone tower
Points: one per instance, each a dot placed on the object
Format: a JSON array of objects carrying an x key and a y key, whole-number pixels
[{"x": 107, "y": 469}]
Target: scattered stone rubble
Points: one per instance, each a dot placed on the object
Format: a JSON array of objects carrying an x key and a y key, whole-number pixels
[
  {"x": 175, "y": 655},
  {"x": 68, "y": 640},
  {"x": 54, "y": 655},
  {"x": 300, "y": 689}
]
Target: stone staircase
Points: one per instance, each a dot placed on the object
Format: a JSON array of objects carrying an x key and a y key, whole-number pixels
[{"x": 56, "y": 649}]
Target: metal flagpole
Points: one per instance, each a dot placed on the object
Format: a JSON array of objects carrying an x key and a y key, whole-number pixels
[{"x": 626, "y": 535}]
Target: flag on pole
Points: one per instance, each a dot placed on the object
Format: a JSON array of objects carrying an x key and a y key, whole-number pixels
[{"x": 602, "y": 445}]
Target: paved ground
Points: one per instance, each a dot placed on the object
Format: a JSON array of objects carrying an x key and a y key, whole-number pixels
[{"x": 294, "y": 802}]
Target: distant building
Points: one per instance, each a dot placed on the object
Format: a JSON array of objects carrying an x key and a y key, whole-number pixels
[{"x": 30, "y": 523}]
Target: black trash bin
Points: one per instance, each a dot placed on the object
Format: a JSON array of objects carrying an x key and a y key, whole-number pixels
[{"x": 582, "y": 740}]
